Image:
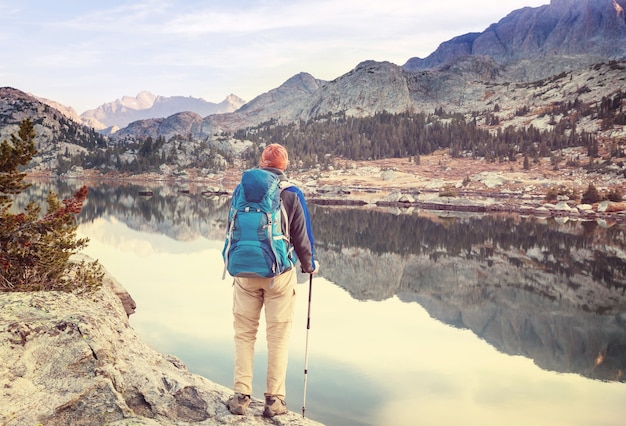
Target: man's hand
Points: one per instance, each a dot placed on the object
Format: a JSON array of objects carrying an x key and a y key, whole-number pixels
[{"x": 316, "y": 264}]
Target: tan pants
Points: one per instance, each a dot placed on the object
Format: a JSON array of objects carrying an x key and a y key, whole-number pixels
[{"x": 249, "y": 296}]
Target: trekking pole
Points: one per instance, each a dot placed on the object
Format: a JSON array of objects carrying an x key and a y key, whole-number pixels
[{"x": 306, "y": 346}]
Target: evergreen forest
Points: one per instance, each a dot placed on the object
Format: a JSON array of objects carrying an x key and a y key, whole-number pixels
[
  {"x": 386, "y": 135},
  {"x": 319, "y": 141}
]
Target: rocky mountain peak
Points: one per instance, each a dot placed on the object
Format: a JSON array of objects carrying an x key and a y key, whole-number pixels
[
  {"x": 285, "y": 101},
  {"x": 234, "y": 101},
  {"x": 302, "y": 81},
  {"x": 12, "y": 94},
  {"x": 143, "y": 100},
  {"x": 370, "y": 87},
  {"x": 591, "y": 28}
]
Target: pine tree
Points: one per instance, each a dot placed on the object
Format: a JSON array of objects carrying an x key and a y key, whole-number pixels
[
  {"x": 35, "y": 250},
  {"x": 13, "y": 155},
  {"x": 591, "y": 195}
]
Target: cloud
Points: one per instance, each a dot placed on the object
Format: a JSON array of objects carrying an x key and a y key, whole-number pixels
[{"x": 135, "y": 18}]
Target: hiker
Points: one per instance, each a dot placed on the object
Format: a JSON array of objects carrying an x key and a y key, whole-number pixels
[{"x": 276, "y": 293}]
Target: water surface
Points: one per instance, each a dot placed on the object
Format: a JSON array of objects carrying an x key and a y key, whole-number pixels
[{"x": 417, "y": 318}]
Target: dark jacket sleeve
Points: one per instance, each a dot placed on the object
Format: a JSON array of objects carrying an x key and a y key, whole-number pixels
[{"x": 300, "y": 231}]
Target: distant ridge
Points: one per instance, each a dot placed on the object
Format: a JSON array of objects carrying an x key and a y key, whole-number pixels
[{"x": 146, "y": 105}]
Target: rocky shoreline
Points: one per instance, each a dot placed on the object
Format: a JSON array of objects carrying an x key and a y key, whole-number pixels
[
  {"x": 493, "y": 203},
  {"x": 468, "y": 185},
  {"x": 74, "y": 359}
]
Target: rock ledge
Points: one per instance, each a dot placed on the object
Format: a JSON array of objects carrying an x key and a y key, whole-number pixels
[{"x": 74, "y": 359}]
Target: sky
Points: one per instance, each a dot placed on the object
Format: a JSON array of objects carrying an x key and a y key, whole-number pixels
[{"x": 86, "y": 53}]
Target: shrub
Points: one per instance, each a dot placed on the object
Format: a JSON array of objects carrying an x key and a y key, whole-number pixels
[
  {"x": 561, "y": 191},
  {"x": 35, "y": 250},
  {"x": 551, "y": 195},
  {"x": 448, "y": 191},
  {"x": 590, "y": 195},
  {"x": 615, "y": 194}
]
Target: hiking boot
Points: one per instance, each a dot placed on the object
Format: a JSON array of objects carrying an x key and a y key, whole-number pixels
[
  {"x": 238, "y": 403},
  {"x": 274, "y": 406}
]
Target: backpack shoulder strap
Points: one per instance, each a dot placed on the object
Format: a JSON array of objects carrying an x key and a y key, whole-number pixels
[{"x": 284, "y": 184}]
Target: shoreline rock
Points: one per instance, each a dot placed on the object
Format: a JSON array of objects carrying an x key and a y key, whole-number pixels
[
  {"x": 74, "y": 359},
  {"x": 606, "y": 210},
  {"x": 488, "y": 199}
]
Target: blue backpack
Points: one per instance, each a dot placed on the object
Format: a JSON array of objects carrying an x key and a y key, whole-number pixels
[{"x": 255, "y": 245}]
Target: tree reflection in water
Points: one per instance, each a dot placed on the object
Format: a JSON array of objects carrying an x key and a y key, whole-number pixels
[{"x": 553, "y": 292}]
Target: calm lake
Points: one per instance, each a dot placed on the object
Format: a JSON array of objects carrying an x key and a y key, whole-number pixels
[{"x": 417, "y": 317}]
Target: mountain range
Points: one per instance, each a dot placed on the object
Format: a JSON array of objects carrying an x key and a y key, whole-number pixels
[
  {"x": 111, "y": 116},
  {"x": 464, "y": 74},
  {"x": 520, "y": 67},
  {"x": 121, "y": 112}
]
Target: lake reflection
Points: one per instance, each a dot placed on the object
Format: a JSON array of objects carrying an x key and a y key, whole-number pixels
[{"x": 417, "y": 318}]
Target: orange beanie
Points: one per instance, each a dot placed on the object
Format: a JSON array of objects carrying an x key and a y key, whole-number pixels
[{"x": 275, "y": 155}]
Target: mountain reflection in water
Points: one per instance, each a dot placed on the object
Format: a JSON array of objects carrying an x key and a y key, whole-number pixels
[{"x": 548, "y": 291}]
